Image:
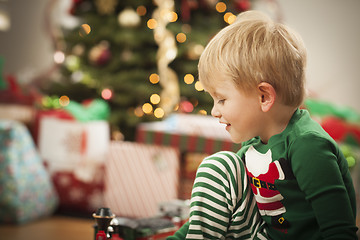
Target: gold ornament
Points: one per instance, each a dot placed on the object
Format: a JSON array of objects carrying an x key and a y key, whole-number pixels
[
  {"x": 129, "y": 18},
  {"x": 106, "y": 7},
  {"x": 194, "y": 51},
  {"x": 99, "y": 54},
  {"x": 170, "y": 95}
]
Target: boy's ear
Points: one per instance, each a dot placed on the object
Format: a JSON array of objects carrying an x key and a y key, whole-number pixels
[{"x": 267, "y": 96}]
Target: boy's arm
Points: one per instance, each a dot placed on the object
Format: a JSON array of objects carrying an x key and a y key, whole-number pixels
[
  {"x": 323, "y": 179},
  {"x": 211, "y": 198},
  {"x": 181, "y": 233},
  {"x": 222, "y": 205}
]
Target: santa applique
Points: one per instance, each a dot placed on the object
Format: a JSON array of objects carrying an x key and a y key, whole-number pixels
[{"x": 262, "y": 173}]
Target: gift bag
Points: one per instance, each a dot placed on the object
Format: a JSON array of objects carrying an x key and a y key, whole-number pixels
[
  {"x": 75, "y": 153},
  {"x": 139, "y": 177},
  {"x": 26, "y": 190}
]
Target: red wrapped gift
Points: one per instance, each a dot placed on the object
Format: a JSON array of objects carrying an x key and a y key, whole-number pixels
[
  {"x": 78, "y": 196},
  {"x": 195, "y": 136},
  {"x": 188, "y": 133}
]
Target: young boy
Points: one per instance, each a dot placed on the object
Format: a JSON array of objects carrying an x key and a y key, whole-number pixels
[{"x": 254, "y": 69}]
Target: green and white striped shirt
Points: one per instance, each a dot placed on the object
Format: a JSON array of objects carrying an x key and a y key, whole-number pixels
[{"x": 222, "y": 204}]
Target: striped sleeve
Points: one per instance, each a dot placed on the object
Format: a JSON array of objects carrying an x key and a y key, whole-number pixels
[{"x": 222, "y": 206}]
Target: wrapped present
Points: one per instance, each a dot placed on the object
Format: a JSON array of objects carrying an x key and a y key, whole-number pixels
[
  {"x": 26, "y": 190},
  {"x": 77, "y": 196},
  {"x": 188, "y": 133},
  {"x": 40, "y": 114},
  {"x": 341, "y": 122},
  {"x": 139, "y": 177},
  {"x": 89, "y": 110},
  {"x": 75, "y": 153},
  {"x": 17, "y": 112},
  {"x": 195, "y": 136},
  {"x": 16, "y": 102},
  {"x": 12, "y": 93}
]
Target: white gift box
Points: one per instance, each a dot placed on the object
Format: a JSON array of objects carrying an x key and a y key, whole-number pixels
[{"x": 69, "y": 145}]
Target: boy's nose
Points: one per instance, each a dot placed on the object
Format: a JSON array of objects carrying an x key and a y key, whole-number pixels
[{"x": 215, "y": 112}]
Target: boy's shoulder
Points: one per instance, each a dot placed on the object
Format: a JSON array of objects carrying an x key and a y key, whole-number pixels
[{"x": 302, "y": 126}]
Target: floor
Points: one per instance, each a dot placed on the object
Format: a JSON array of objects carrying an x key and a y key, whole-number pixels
[{"x": 54, "y": 228}]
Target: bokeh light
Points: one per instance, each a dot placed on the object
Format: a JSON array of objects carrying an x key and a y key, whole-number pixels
[
  {"x": 203, "y": 112},
  {"x": 173, "y": 17},
  {"x": 138, "y": 112},
  {"x": 220, "y": 7},
  {"x": 186, "y": 107},
  {"x": 159, "y": 113},
  {"x": 141, "y": 10},
  {"x": 59, "y": 57},
  {"x": 64, "y": 101},
  {"x": 198, "y": 86},
  {"x": 181, "y": 37},
  {"x": 155, "y": 98},
  {"x": 147, "y": 108},
  {"x": 229, "y": 17},
  {"x": 85, "y": 29},
  {"x": 189, "y": 78},
  {"x": 154, "y": 78},
  {"x": 152, "y": 23},
  {"x": 106, "y": 94}
]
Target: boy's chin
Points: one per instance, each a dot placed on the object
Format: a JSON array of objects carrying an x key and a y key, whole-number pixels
[{"x": 238, "y": 139}]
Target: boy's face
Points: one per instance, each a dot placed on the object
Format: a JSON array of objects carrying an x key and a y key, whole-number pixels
[{"x": 240, "y": 112}]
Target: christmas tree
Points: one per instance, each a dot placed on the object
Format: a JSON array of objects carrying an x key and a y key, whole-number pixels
[{"x": 140, "y": 56}]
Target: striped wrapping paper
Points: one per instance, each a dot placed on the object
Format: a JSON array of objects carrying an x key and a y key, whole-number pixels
[
  {"x": 185, "y": 143},
  {"x": 188, "y": 133},
  {"x": 139, "y": 177}
]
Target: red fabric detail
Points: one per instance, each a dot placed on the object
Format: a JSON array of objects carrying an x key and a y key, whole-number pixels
[
  {"x": 158, "y": 136},
  {"x": 175, "y": 140},
  {"x": 140, "y": 135},
  {"x": 83, "y": 146},
  {"x": 209, "y": 145},
  {"x": 269, "y": 177},
  {"x": 270, "y": 206},
  {"x": 191, "y": 146}
]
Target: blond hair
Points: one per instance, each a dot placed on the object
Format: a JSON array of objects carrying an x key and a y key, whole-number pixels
[{"x": 255, "y": 49}]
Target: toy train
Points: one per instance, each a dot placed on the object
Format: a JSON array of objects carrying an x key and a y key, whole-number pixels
[{"x": 119, "y": 228}]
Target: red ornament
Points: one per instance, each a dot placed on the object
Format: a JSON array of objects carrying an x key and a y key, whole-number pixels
[
  {"x": 186, "y": 107},
  {"x": 100, "y": 54},
  {"x": 104, "y": 57},
  {"x": 74, "y": 7},
  {"x": 242, "y": 5}
]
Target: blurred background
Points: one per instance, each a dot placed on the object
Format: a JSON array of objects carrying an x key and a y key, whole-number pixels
[
  {"x": 45, "y": 45},
  {"x": 100, "y": 102}
]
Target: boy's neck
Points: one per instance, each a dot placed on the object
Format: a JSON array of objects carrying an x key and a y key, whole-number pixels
[{"x": 276, "y": 120}]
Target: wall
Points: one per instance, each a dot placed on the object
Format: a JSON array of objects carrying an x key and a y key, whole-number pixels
[
  {"x": 330, "y": 29},
  {"x": 26, "y": 46},
  {"x": 331, "y": 32}
]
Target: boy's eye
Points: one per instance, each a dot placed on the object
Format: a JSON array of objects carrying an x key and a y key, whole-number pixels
[{"x": 221, "y": 101}]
